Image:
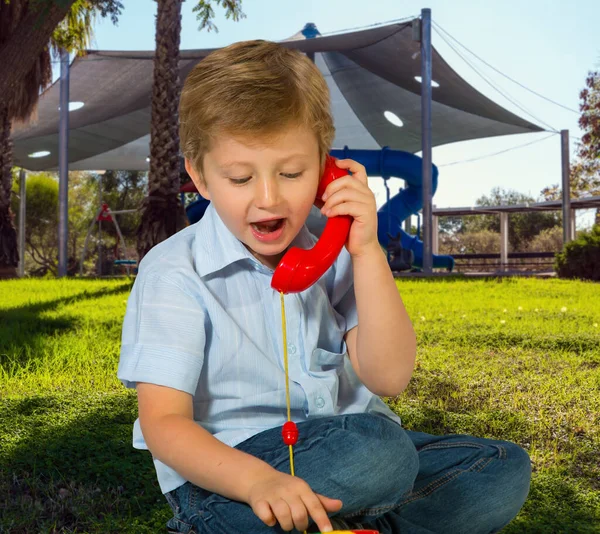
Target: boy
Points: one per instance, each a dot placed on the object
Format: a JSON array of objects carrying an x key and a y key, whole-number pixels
[{"x": 202, "y": 340}]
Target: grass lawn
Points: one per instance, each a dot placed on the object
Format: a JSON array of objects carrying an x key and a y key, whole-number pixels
[{"x": 515, "y": 359}]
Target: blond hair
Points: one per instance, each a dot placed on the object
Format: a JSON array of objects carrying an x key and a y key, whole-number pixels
[{"x": 252, "y": 89}]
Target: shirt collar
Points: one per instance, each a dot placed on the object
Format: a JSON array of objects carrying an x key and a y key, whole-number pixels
[{"x": 216, "y": 247}]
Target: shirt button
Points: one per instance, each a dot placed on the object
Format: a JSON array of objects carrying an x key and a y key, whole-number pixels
[
  {"x": 292, "y": 348},
  {"x": 320, "y": 402}
]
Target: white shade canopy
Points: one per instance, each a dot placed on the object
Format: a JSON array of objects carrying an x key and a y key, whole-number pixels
[{"x": 369, "y": 72}]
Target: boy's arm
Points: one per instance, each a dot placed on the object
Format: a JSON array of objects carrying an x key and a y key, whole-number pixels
[
  {"x": 382, "y": 347},
  {"x": 166, "y": 420}
]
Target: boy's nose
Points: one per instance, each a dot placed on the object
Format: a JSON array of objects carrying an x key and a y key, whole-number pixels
[{"x": 267, "y": 193}]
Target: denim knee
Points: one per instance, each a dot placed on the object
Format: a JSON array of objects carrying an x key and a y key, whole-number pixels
[
  {"x": 512, "y": 476},
  {"x": 517, "y": 477},
  {"x": 388, "y": 465}
]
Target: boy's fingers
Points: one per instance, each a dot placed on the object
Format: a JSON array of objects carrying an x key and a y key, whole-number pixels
[
  {"x": 299, "y": 513},
  {"x": 282, "y": 512},
  {"x": 264, "y": 513},
  {"x": 346, "y": 195},
  {"x": 314, "y": 505},
  {"x": 342, "y": 183},
  {"x": 353, "y": 209},
  {"x": 357, "y": 170},
  {"x": 332, "y": 505}
]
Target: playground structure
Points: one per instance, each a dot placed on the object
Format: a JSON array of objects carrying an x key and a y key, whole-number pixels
[
  {"x": 419, "y": 88},
  {"x": 405, "y": 251},
  {"x": 105, "y": 214},
  {"x": 502, "y": 260}
]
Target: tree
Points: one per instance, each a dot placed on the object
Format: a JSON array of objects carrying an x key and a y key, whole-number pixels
[
  {"x": 163, "y": 214},
  {"x": 121, "y": 190},
  {"x": 19, "y": 106},
  {"x": 41, "y": 238},
  {"x": 26, "y": 27},
  {"x": 28, "y": 30},
  {"x": 585, "y": 170},
  {"x": 523, "y": 226},
  {"x": 20, "y": 96}
]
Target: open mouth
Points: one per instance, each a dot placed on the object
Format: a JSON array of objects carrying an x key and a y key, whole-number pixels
[
  {"x": 268, "y": 227},
  {"x": 268, "y": 231}
]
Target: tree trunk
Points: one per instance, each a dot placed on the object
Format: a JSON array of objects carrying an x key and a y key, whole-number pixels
[
  {"x": 9, "y": 250},
  {"x": 163, "y": 214},
  {"x": 27, "y": 41}
]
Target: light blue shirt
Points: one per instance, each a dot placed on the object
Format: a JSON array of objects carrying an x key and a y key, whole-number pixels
[{"x": 202, "y": 318}]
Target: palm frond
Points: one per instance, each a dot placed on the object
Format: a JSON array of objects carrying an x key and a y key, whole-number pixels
[
  {"x": 205, "y": 13},
  {"x": 76, "y": 30}
]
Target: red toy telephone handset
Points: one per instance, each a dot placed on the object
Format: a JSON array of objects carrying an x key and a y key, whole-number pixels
[{"x": 299, "y": 268}]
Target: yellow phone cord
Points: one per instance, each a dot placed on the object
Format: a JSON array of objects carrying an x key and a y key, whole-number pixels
[{"x": 287, "y": 378}]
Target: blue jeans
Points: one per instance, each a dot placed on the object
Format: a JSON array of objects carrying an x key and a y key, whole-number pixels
[{"x": 389, "y": 479}]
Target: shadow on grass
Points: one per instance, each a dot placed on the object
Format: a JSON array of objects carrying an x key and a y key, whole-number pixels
[
  {"x": 556, "y": 504},
  {"x": 25, "y": 325},
  {"x": 497, "y": 424},
  {"x": 78, "y": 476}
]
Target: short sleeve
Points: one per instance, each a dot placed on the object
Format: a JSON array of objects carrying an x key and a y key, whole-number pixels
[
  {"x": 163, "y": 336},
  {"x": 342, "y": 296}
]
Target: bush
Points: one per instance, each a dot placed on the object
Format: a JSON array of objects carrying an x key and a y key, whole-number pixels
[
  {"x": 581, "y": 258},
  {"x": 470, "y": 243},
  {"x": 548, "y": 240}
]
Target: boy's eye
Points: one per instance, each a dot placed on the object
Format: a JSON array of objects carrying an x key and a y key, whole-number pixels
[
  {"x": 291, "y": 175},
  {"x": 239, "y": 181}
]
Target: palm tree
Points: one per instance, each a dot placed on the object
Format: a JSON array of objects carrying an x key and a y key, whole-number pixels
[
  {"x": 163, "y": 214},
  {"x": 27, "y": 26},
  {"x": 73, "y": 33}
]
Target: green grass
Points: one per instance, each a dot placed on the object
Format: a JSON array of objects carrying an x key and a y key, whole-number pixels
[{"x": 515, "y": 359}]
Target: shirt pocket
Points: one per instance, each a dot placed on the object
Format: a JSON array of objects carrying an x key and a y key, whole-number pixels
[{"x": 324, "y": 360}]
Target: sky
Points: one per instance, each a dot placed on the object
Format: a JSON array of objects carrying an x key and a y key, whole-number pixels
[{"x": 546, "y": 45}]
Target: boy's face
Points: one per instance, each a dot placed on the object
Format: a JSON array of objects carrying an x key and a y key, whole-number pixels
[{"x": 262, "y": 189}]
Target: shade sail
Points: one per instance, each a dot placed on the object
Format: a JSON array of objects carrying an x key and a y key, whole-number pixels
[{"x": 368, "y": 72}]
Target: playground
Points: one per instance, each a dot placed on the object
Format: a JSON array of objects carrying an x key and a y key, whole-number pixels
[
  {"x": 505, "y": 357},
  {"x": 382, "y": 133}
]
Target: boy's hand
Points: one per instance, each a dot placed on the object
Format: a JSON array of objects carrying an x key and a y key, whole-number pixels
[
  {"x": 290, "y": 501},
  {"x": 350, "y": 195}
]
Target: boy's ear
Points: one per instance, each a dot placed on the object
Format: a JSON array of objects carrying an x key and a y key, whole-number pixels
[{"x": 196, "y": 177}]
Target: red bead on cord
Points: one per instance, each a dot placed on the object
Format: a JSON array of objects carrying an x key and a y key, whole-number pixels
[{"x": 290, "y": 433}]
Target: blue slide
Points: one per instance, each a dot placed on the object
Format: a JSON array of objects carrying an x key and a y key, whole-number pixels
[
  {"x": 398, "y": 164},
  {"x": 386, "y": 163}
]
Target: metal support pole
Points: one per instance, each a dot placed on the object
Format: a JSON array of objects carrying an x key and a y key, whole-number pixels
[
  {"x": 389, "y": 213},
  {"x": 22, "y": 215},
  {"x": 566, "y": 186},
  {"x": 503, "y": 241},
  {"x": 408, "y": 220},
  {"x": 426, "y": 139},
  {"x": 572, "y": 224},
  {"x": 63, "y": 165},
  {"x": 435, "y": 234},
  {"x": 100, "y": 228}
]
